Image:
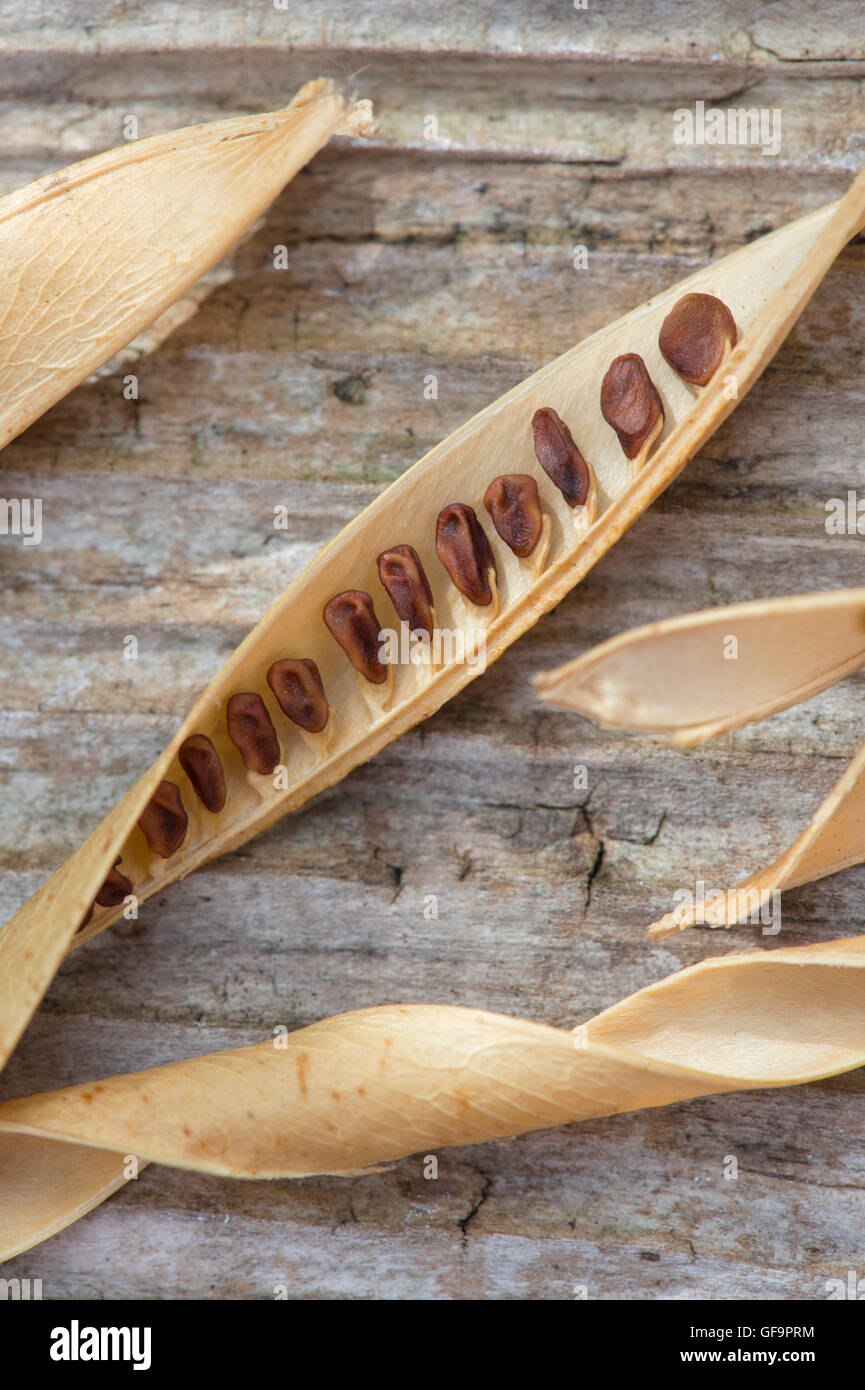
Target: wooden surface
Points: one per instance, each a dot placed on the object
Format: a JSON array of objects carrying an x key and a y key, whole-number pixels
[{"x": 305, "y": 387}]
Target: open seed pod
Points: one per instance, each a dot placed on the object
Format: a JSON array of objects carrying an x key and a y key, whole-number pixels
[
  {"x": 94, "y": 253},
  {"x": 702, "y": 674},
  {"x": 366, "y": 1088},
  {"x": 615, "y": 456}
]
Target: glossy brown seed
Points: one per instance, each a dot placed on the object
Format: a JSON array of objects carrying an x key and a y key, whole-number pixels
[
  {"x": 200, "y": 761},
  {"x": 115, "y": 888},
  {"x": 695, "y": 335},
  {"x": 559, "y": 456},
  {"x": 351, "y": 620},
  {"x": 630, "y": 402},
  {"x": 163, "y": 821},
  {"x": 297, "y": 685},
  {"x": 405, "y": 582},
  {"x": 514, "y": 504},
  {"x": 251, "y": 730},
  {"x": 463, "y": 548}
]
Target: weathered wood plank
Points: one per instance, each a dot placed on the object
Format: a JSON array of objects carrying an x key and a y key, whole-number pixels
[
  {"x": 741, "y": 29},
  {"x": 450, "y": 257}
]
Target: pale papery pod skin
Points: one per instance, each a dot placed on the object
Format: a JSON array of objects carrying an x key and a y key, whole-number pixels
[
  {"x": 369, "y": 1087},
  {"x": 766, "y": 285},
  {"x": 677, "y": 677},
  {"x": 92, "y": 255}
]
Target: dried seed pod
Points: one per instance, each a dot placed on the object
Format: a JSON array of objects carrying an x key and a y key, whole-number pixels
[
  {"x": 787, "y": 650},
  {"x": 431, "y": 1076},
  {"x": 465, "y": 552},
  {"x": 514, "y": 504},
  {"x": 201, "y": 763},
  {"x": 770, "y": 281},
  {"x": 299, "y": 692},
  {"x": 213, "y": 181},
  {"x": 560, "y": 458},
  {"x": 251, "y": 730},
  {"x": 695, "y": 336},
  {"x": 351, "y": 620},
  {"x": 115, "y": 888},
  {"x": 404, "y": 579},
  {"x": 163, "y": 821},
  {"x": 631, "y": 404}
]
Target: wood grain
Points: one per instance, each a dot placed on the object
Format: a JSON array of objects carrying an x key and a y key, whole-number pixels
[{"x": 304, "y": 387}]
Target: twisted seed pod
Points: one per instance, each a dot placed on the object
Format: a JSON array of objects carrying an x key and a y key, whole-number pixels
[
  {"x": 765, "y": 286},
  {"x": 366, "y": 1088},
  {"x": 98, "y": 280}
]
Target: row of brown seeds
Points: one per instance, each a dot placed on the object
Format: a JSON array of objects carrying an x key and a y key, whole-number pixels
[{"x": 693, "y": 339}]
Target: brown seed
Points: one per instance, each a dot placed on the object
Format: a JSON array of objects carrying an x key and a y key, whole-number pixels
[
  {"x": 251, "y": 730},
  {"x": 463, "y": 548},
  {"x": 559, "y": 456},
  {"x": 404, "y": 579},
  {"x": 115, "y": 888},
  {"x": 630, "y": 402},
  {"x": 200, "y": 761},
  {"x": 515, "y": 507},
  {"x": 695, "y": 335},
  {"x": 297, "y": 685},
  {"x": 163, "y": 821},
  {"x": 351, "y": 620}
]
